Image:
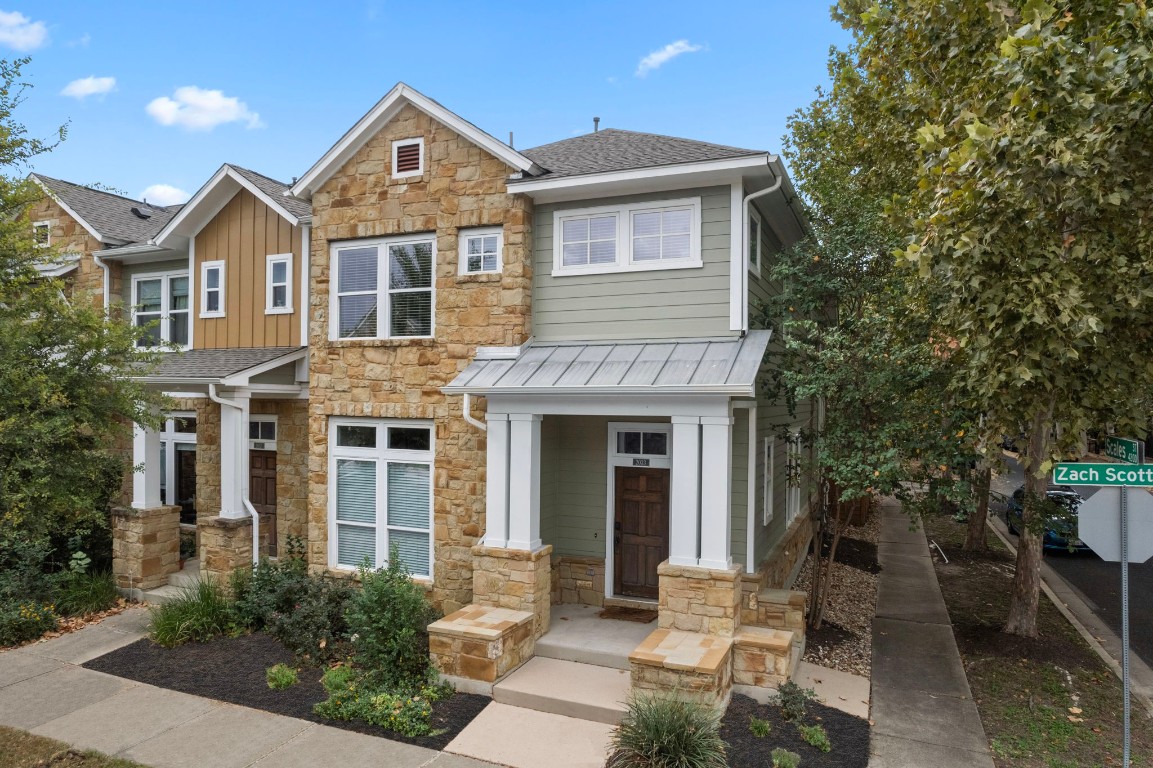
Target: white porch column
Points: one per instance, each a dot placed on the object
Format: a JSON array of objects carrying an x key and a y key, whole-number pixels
[
  {"x": 685, "y": 504},
  {"x": 524, "y": 481},
  {"x": 716, "y": 491},
  {"x": 496, "y": 483},
  {"x": 234, "y": 455},
  {"x": 146, "y": 480}
]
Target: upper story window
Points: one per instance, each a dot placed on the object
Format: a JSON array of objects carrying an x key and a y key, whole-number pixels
[
  {"x": 212, "y": 289},
  {"x": 628, "y": 238},
  {"x": 278, "y": 285},
  {"x": 407, "y": 158},
  {"x": 161, "y": 301},
  {"x": 755, "y": 241},
  {"x": 383, "y": 288},
  {"x": 41, "y": 233},
  {"x": 480, "y": 250}
]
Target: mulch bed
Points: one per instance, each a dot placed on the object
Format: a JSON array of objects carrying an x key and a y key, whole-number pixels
[
  {"x": 232, "y": 669},
  {"x": 849, "y": 736}
]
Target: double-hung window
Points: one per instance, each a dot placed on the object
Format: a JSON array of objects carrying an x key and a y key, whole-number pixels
[
  {"x": 41, "y": 233},
  {"x": 770, "y": 459},
  {"x": 278, "y": 285},
  {"x": 160, "y": 302},
  {"x": 480, "y": 250},
  {"x": 212, "y": 289},
  {"x": 663, "y": 234},
  {"x": 380, "y": 493},
  {"x": 384, "y": 288}
]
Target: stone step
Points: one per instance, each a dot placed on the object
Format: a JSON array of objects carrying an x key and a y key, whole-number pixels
[
  {"x": 187, "y": 577},
  {"x": 580, "y": 691},
  {"x": 523, "y": 738},
  {"x": 162, "y": 595}
]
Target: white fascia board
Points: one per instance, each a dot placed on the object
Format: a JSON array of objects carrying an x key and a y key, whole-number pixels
[
  {"x": 379, "y": 115},
  {"x": 730, "y": 390},
  {"x": 57, "y": 269},
  {"x": 209, "y": 200},
  {"x": 87, "y": 227},
  {"x": 240, "y": 378}
]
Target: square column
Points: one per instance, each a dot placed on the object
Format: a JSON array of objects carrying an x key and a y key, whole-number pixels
[
  {"x": 496, "y": 484},
  {"x": 234, "y": 456},
  {"x": 716, "y": 492},
  {"x": 524, "y": 481},
  {"x": 685, "y": 504},
  {"x": 146, "y": 479}
]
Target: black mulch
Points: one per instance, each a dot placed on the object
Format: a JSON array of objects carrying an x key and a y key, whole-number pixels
[
  {"x": 849, "y": 736},
  {"x": 856, "y": 553},
  {"x": 232, "y": 669}
]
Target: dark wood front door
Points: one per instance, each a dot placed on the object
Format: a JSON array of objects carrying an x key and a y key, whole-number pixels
[
  {"x": 262, "y": 494},
  {"x": 642, "y": 530}
]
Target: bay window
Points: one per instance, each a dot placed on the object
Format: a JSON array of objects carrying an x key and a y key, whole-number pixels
[{"x": 384, "y": 288}]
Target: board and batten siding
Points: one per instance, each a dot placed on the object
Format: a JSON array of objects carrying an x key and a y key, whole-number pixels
[
  {"x": 654, "y": 304},
  {"x": 243, "y": 234}
]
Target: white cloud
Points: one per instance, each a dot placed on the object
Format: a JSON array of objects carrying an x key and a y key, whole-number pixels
[
  {"x": 657, "y": 58},
  {"x": 20, "y": 32},
  {"x": 80, "y": 42},
  {"x": 198, "y": 109},
  {"x": 164, "y": 194},
  {"x": 89, "y": 86}
]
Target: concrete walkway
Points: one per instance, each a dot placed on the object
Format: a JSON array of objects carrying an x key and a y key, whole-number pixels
[
  {"x": 43, "y": 690},
  {"x": 922, "y": 708}
]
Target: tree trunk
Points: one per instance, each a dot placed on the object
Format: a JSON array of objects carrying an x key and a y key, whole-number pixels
[
  {"x": 838, "y": 527},
  {"x": 975, "y": 537},
  {"x": 817, "y": 546},
  {"x": 1026, "y": 595}
]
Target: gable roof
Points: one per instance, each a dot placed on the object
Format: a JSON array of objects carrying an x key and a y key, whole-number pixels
[
  {"x": 107, "y": 216},
  {"x": 276, "y": 190},
  {"x": 613, "y": 149},
  {"x": 377, "y": 117}
]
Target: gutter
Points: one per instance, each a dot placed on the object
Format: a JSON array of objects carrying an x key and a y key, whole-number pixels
[
  {"x": 244, "y": 473},
  {"x": 107, "y": 280},
  {"x": 468, "y": 414},
  {"x": 779, "y": 178},
  {"x": 720, "y": 389}
]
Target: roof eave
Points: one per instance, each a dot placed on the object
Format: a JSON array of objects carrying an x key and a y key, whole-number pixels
[
  {"x": 204, "y": 205},
  {"x": 738, "y": 390},
  {"x": 67, "y": 208}
]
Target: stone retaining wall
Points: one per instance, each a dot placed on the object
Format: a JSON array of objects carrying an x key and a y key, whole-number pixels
[{"x": 578, "y": 580}]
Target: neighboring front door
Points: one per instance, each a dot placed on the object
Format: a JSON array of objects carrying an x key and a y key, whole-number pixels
[
  {"x": 642, "y": 530},
  {"x": 262, "y": 494}
]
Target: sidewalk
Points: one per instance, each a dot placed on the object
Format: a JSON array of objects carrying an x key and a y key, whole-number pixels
[
  {"x": 43, "y": 690},
  {"x": 922, "y": 708}
]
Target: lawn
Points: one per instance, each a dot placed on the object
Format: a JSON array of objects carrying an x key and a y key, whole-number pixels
[{"x": 20, "y": 749}]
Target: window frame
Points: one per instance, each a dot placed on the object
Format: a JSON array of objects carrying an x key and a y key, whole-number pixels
[
  {"x": 269, "y": 285},
  {"x": 768, "y": 479},
  {"x": 205, "y": 268},
  {"x": 464, "y": 235},
  {"x": 793, "y": 478},
  {"x": 263, "y": 418},
  {"x": 46, "y": 225},
  {"x": 383, "y": 291},
  {"x": 624, "y": 237},
  {"x": 165, "y": 312},
  {"x": 652, "y": 460},
  {"x": 757, "y": 221},
  {"x": 382, "y": 456},
  {"x": 396, "y": 145}
]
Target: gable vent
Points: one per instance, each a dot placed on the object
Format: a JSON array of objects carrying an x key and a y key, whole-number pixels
[{"x": 407, "y": 158}]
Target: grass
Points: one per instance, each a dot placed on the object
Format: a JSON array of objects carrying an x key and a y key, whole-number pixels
[
  {"x": 20, "y": 749},
  {"x": 760, "y": 728},
  {"x": 203, "y": 611},
  {"x": 816, "y": 737},
  {"x": 280, "y": 676},
  {"x": 85, "y": 593}
]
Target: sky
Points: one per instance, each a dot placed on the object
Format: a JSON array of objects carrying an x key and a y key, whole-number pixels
[{"x": 157, "y": 96}]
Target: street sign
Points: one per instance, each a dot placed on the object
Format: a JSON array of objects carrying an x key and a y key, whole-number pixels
[
  {"x": 1099, "y": 524},
  {"x": 1100, "y": 473},
  {"x": 1125, "y": 449}
]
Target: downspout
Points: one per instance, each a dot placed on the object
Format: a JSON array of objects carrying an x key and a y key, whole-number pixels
[
  {"x": 243, "y": 486},
  {"x": 745, "y": 240},
  {"x": 107, "y": 280},
  {"x": 468, "y": 414}
]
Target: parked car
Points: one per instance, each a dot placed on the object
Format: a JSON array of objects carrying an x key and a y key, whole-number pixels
[{"x": 1060, "y": 527}]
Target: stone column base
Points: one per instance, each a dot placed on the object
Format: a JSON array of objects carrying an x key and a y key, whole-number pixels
[
  {"x": 225, "y": 545},
  {"x": 704, "y": 600},
  {"x": 763, "y": 658},
  {"x": 145, "y": 546},
  {"x": 481, "y": 643},
  {"x": 688, "y": 665},
  {"x": 515, "y": 579}
]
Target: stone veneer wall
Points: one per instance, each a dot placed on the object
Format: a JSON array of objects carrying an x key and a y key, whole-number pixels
[
  {"x": 578, "y": 580},
  {"x": 779, "y": 569},
  {"x": 145, "y": 546},
  {"x": 225, "y": 545},
  {"x": 66, "y": 235},
  {"x": 514, "y": 579},
  {"x": 207, "y": 459},
  {"x": 700, "y": 600},
  {"x": 462, "y": 186}
]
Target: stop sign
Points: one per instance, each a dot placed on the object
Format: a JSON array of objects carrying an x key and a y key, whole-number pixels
[{"x": 1099, "y": 523}]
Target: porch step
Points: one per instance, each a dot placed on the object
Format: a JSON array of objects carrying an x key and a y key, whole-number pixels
[
  {"x": 581, "y": 691},
  {"x": 577, "y": 633},
  {"x": 188, "y": 576},
  {"x": 162, "y": 595}
]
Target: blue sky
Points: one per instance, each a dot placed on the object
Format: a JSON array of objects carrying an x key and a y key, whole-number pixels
[{"x": 163, "y": 93}]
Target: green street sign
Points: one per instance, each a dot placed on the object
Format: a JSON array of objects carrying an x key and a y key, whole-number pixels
[
  {"x": 1085, "y": 473},
  {"x": 1125, "y": 449}
]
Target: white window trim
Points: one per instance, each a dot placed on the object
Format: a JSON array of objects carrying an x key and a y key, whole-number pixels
[
  {"x": 205, "y": 266},
  {"x": 793, "y": 480},
  {"x": 624, "y": 214},
  {"x": 382, "y": 455},
  {"x": 274, "y": 258},
  {"x": 462, "y": 240},
  {"x": 419, "y": 141},
  {"x": 266, "y": 418},
  {"x": 169, "y": 437},
  {"x": 165, "y": 300},
  {"x": 769, "y": 479},
  {"x": 755, "y": 245},
  {"x": 382, "y": 289},
  {"x": 47, "y": 225}
]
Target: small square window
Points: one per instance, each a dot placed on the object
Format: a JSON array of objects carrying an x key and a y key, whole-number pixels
[
  {"x": 355, "y": 437},
  {"x": 656, "y": 443},
  {"x": 261, "y": 430},
  {"x": 480, "y": 251},
  {"x": 628, "y": 442},
  {"x": 407, "y": 158},
  {"x": 409, "y": 439}
]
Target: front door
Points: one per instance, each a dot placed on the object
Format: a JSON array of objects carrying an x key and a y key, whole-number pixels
[
  {"x": 262, "y": 494},
  {"x": 642, "y": 530}
]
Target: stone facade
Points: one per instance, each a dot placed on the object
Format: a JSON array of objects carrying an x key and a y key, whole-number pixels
[
  {"x": 780, "y": 567},
  {"x": 690, "y": 665},
  {"x": 66, "y": 236},
  {"x": 145, "y": 546},
  {"x": 776, "y": 608},
  {"x": 207, "y": 459},
  {"x": 462, "y": 186},
  {"x": 514, "y": 579},
  {"x": 225, "y": 545},
  {"x": 578, "y": 580},
  {"x": 701, "y": 600},
  {"x": 481, "y": 643},
  {"x": 762, "y": 657}
]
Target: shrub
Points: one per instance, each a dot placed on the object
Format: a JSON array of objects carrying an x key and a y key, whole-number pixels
[
  {"x": 662, "y": 732},
  {"x": 783, "y": 758},
  {"x": 792, "y": 699},
  {"x": 388, "y": 620},
  {"x": 759, "y": 727},
  {"x": 266, "y": 589},
  {"x": 280, "y": 676},
  {"x": 815, "y": 736},
  {"x": 351, "y": 696},
  {"x": 84, "y": 593},
  {"x": 24, "y": 621},
  {"x": 23, "y": 568},
  {"x": 202, "y": 611}
]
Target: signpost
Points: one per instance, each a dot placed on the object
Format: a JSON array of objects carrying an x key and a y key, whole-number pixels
[{"x": 1103, "y": 530}]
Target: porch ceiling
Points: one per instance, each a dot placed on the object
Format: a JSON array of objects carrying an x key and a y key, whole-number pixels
[{"x": 673, "y": 366}]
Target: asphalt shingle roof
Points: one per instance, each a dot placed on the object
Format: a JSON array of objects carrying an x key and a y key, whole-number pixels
[
  {"x": 612, "y": 149},
  {"x": 276, "y": 189},
  {"x": 215, "y": 363},
  {"x": 108, "y": 213}
]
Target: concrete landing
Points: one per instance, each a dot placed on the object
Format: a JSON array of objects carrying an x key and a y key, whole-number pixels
[
  {"x": 567, "y": 688},
  {"x": 577, "y": 633},
  {"x": 525, "y": 738}
]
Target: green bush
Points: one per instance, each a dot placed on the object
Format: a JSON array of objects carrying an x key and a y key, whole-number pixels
[
  {"x": 664, "y": 732},
  {"x": 24, "y": 574},
  {"x": 388, "y": 620},
  {"x": 203, "y": 611},
  {"x": 84, "y": 593},
  {"x": 760, "y": 728},
  {"x": 815, "y": 736},
  {"x": 280, "y": 676},
  {"x": 351, "y": 696},
  {"x": 792, "y": 699},
  {"x": 783, "y": 758},
  {"x": 24, "y": 621}
]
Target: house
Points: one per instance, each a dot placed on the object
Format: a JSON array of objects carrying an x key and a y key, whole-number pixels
[{"x": 531, "y": 373}]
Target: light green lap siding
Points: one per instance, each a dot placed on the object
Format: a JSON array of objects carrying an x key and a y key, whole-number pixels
[
  {"x": 629, "y": 305},
  {"x": 132, "y": 270},
  {"x": 739, "y": 492}
]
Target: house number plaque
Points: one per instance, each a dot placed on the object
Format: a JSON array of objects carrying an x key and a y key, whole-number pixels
[{"x": 640, "y": 462}]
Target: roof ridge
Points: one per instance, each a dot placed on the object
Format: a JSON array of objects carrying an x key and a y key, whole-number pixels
[
  {"x": 645, "y": 133},
  {"x": 246, "y": 169}
]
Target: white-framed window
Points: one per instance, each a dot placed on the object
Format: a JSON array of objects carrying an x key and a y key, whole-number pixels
[
  {"x": 407, "y": 158},
  {"x": 640, "y": 444},
  {"x": 794, "y": 469},
  {"x": 768, "y": 490},
  {"x": 380, "y": 493},
  {"x": 755, "y": 224},
  {"x": 384, "y": 288},
  {"x": 160, "y": 300},
  {"x": 41, "y": 233},
  {"x": 262, "y": 432},
  {"x": 480, "y": 250},
  {"x": 628, "y": 238},
  {"x": 212, "y": 289},
  {"x": 278, "y": 284}
]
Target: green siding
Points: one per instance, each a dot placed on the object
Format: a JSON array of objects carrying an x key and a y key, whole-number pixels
[
  {"x": 652, "y": 304},
  {"x": 131, "y": 270},
  {"x": 740, "y": 485}
]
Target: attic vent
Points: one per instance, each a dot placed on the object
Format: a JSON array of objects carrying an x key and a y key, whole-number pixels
[
  {"x": 407, "y": 157},
  {"x": 142, "y": 212}
]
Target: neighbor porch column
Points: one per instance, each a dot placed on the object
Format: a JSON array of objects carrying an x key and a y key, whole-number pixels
[
  {"x": 233, "y": 456},
  {"x": 496, "y": 481},
  {"x": 524, "y": 481},
  {"x": 685, "y": 504},
  {"x": 716, "y": 492},
  {"x": 146, "y": 479}
]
